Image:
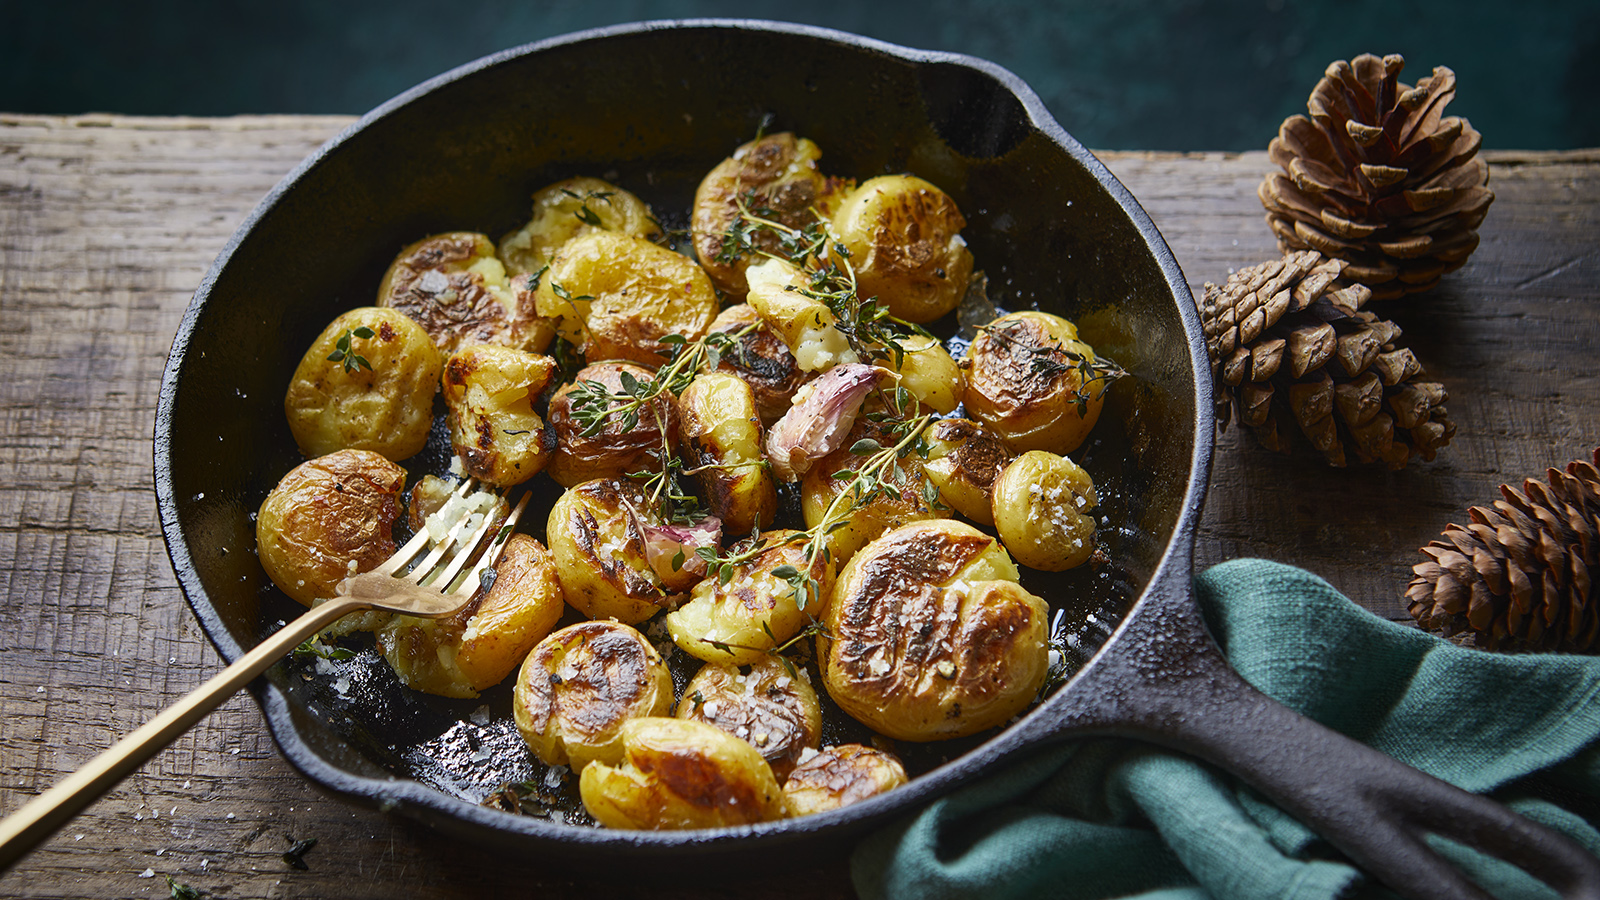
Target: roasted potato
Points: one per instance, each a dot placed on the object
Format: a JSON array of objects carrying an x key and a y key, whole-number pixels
[
  {"x": 566, "y": 209},
  {"x": 680, "y": 774},
  {"x": 720, "y": 432},
  {"x": 581, "y": 685},
  {"x": 1025, "y": 381},
  {"x": 805, "y": 324},
  {"x": 373, "y": 393},
  {"x": 754, "y": 610},
  {"x": 615, "y": 449},
  {"x": 763, "y": 360},
  {"x": 1041, "y": 505},
  {"x": 904, "y": 241},
  {"x": 328, "y": 519},
  {"x": 929, "y": 635},
  {"x": 596, "y": 534},
  {"x": 614, "y": 295},
  {"x": 776, "y": 712},
  {"x": 777, "y": 174},
  {"x": 964, "y": 458},
  {"x": 822, "y": 486},
  {"x": 454, "y": 287},
  {"x": 928, "y": 372},
  {"x": 838, "y": 776},
  {"x": 460, "y": 655},
  {"x": 490, "y": 392}
]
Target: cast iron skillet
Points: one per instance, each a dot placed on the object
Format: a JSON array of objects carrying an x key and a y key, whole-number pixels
[{"x": 653, "y": 107}]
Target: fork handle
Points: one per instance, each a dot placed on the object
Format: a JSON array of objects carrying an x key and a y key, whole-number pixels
[{"x": 39, "y": 818}]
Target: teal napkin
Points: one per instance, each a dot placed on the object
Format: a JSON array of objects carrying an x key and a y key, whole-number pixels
[{"x": 1108, "y": 818}]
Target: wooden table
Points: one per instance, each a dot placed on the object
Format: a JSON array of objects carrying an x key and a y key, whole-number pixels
[{"x": 106, "y": 226}]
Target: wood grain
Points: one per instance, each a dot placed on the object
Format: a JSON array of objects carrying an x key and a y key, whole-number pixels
[{"x": 106, "y": 226}]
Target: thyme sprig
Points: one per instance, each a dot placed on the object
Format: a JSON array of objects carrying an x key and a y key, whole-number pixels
[
  {"x": 594, "y": 405},
  {"x": 344, "y": 353},
  {"x": 1051, "y": 361}
]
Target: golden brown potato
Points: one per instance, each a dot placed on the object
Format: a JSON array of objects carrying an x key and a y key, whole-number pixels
[
  {"x": 616, "y": 449},
  {"x": 931, "y": 635},
  {"x": 838, "y": 776},
  {"x": 820, "y": 488},
  {"x": 566, "y": 209},
  {"x": 904, "y": 239},
  {"x": 964, "y": 458},
  {"x": 928, "y": 372},
  {"x": 679, "y": 774},
  {"x": 460, "y": 655},
  {"x": 328, "y": 519},
  {"x": 778, "y": 713},
  {"x": 454, "y": 287},
  {"x": 490, "y": 391},
  {"x": 805, "y": 324},
  {"x": 374, "y": 394},
  {"x": 1041, "y": 505},
  {"x": 596, "y": 536},
  {"x": 777, "y": 173},
  {"x": 763, "y": 360},
  {"x": 1025, "y": 383},
  {"x": 720, "y": 432},
  {"x": 755, "y": 610},
  {"x": 615, "y": 295},
  {"x": 579, "y": 688},
  {"x": 426, "y": 497}
]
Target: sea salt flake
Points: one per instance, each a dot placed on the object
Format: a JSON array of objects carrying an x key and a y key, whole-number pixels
[{"x": 148, "y": 873}]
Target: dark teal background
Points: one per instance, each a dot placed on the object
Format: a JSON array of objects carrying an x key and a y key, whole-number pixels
[{"x": 1145, "y": 74}]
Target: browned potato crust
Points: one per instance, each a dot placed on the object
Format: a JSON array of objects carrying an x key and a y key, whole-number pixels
[
  {"x": 453, "y": 286},
  {"x": 1023, "y": 383},
  {"x": 838, "y": 776},
  {"x": 904, "y": 238},
  {"x": 681, "y": 774},
  {"x": 721, "y": 439},
  {"x": 600, "y": 553},
  {"x": 515, "y": 614},
  {"x": 763, "y": 361},
  {"x": 964, "y": 459},
  {"x": 775, "y": 711},
  {"x": 613, "y": 451},
  {"x": 328, "y": 519},
  {"x": 491, "y": 392}
]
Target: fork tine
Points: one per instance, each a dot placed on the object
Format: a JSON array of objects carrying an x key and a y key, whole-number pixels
[
  {"x": 491, "y": 554},
  {"x": 419, "y": 541}
]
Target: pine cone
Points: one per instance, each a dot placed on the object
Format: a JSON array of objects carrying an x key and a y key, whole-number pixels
[
  {"x": 1519, "y": 577},
  {"x": 1289, "y": 342},
  {"x": 1377, "y": 178}
]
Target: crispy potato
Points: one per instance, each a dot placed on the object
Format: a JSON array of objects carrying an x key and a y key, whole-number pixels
[
  {"x": 754, "y": 610},
  {"x": 616, "y": 449},
  {"x": 426, "y": 497},
  {"x": 579, "y": 688},
  {"x": 964, "y": 458},
  {"x": 566, "y": 209},
  {"x": 460, "y": 655},
  {"x": 821, "y": 488},
  {"x": 778, "y": 174},
  {"x": 596, "y": 537},
  {"x": 776, "y": 712},
  {"x": 614, "y": 295},
  {"x": 1041, "y": 503},
  {"x": 680, "y": 774},
  {"x": 805, "y": 324},
  {"x": 384, "y": 405},
  {"x": 763, "y": 360},
  {"x": 490, "y": 391},
  {"x": 931, "y": 635},
  {"x": 838, "y": 776},
  {"x": 904, "y": 240},
  {"x": 454, "y": 287},
  {"x": 1025, "y": 383},
  {"x": 328, "y": 519},
  {"x": 928, "y": 372},
  {"x": 720, "y": 433}
]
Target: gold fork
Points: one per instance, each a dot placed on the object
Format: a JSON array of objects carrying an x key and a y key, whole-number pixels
[{"x": 434, "y": 587}]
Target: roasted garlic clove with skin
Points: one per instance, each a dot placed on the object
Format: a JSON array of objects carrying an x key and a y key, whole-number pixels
[
  {"x": 580, "y": 687},
  {"x": 964, "y": 458},
  {"x": 566, "y": 209},
  {"x": 373, "y": 393},
  {"x": 762, "y": 360},
  {"x": 904, "y": 240},
  {"x": 616, "y": 449},
  {"x": 490, "y": 392},
  {"x": 614, "y": 296},
  {"x": 601, "y": 560},
  {"x": 820, "y": 419},
  {"x": 836, "y": 777},
  {"x": 754, "y": 610},
  {"x": 328, "y": 519},
  {"x": 1041, "y": 505},
  {"x": 1025, "y": 382},
  {"x": 678, "y": 774},
  {"x": 806, "y": 324},
  {"x": 775, "y": 711},
  {"x": 454, "y": 287},
  {"x": 929, "y": 635},
  {"x": 720, "y": 432}
]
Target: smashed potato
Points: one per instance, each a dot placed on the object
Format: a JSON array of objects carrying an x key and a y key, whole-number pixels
[
  {"x": 579, "y": 688},
  {"x": 376, "y": 393},
  {"x": 720, "y": 432},
  {"x": 832, "y": 476},
  {"x": 806, "y": 325},
  {"x": 1025, "y": 381},
  {"x": 929, "y": 372},
  {"x": 566, "y": 209},
  {"x": 904, "y": 241},
  {"x": 763, "y": 360},
  {"x": 775, "y": 710},
  {"x": 454, "y": 287},
  {"x": 494, "y": 429},
  {"x": 328, "y": 519},
  {"x": 614, "y": 450},
  {"x": 929, "y": 635},
  {"x": 755, "y": 610},
  {"x": 678, "y": 774},
  {"x": 596, "y": 533},
  {"x": 964, "y": 458},
  {"x": 836, "y": 777},
  {"x": 1041, "y": 506}
]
